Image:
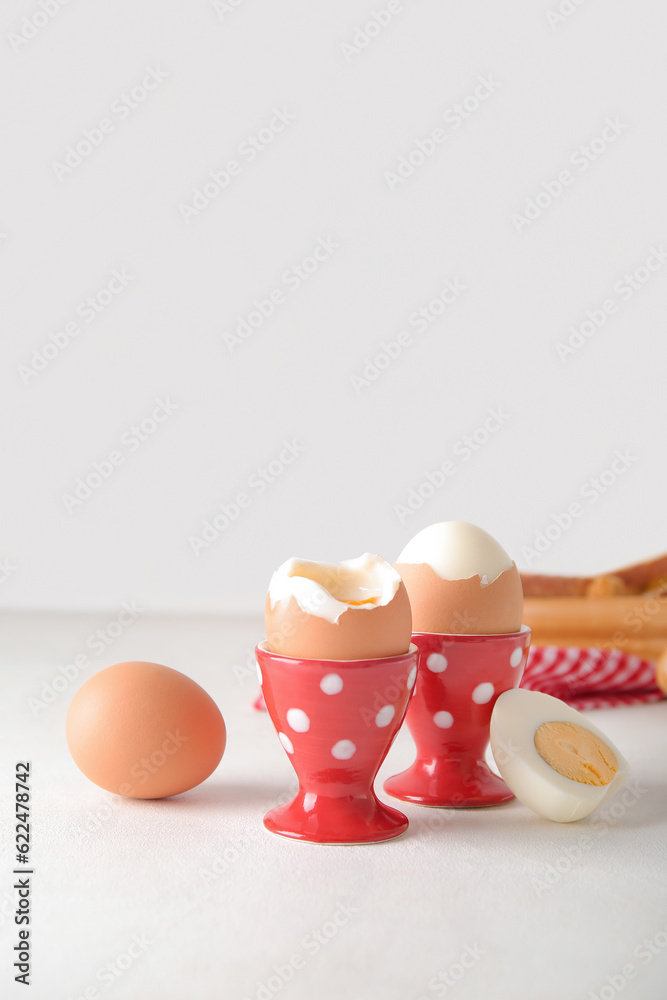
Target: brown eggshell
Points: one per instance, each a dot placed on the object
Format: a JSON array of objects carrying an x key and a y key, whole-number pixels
[
  {"x": 359, "y": 633},
  {"x": 144, "y": 731},
  {"x": 460, "y": 607}
]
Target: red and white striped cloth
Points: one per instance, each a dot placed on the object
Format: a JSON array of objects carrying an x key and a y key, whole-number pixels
[{"x": 591, "y": 678}]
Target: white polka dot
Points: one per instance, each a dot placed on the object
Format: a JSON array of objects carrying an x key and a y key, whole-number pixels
[
  {"x": 286, "y": 742},
  {"x": 483, "y": 693},
  {"x": 332, "y": 684},
  {"x": 443, "y": 720},
  {"x": 259, "y": 672},
  {"x": 384, "y": 716},
  {"x": 412, "y": 677},
  {"x": 343, "y": 750},
  {"x": 436, "y": 662},
  {"x": 298, "y": 720},
  {"x": 517, "y": 656}
]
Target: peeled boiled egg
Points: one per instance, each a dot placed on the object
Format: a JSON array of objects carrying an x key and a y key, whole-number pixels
[
  {"x": 552, "y": 757},
  {"x": 355, "y": 609},
  {"x": 144, "y": 731},
  {"x": 460, "y": 581}
]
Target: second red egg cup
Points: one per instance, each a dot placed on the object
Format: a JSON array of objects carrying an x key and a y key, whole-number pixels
[
  {"x": 336, "y": 720},
  {"x": 460, "y": 677}
]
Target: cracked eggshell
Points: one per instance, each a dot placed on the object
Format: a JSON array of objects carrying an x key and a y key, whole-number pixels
[
  {"x": 353, "y": 610},
  {"x": 461, "y": 581},
  {"x": 463, "y": 607},
  {"x": 516, "y": 717}
]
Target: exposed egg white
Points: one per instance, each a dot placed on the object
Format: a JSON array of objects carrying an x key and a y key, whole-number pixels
[
  {"x": 516, "y": 717},
  {"x": 457, "y": 550},
  {"x": 324, "y": 589}
]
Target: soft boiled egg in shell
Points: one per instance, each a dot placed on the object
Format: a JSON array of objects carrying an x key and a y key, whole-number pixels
[
  {"x": 355, "y": 609},
  {"x": 460, "y": 580}
]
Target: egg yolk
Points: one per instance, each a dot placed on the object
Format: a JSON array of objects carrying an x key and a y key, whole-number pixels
[
  {"x": 576, "y": 753},
  {"x": 344, "y": 584}
]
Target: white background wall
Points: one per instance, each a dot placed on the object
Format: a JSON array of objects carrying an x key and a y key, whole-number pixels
[{"x": 324, "y": 177}]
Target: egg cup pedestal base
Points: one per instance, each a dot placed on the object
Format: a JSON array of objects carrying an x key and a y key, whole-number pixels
[
  {"x": 454, "y": 784},
  {"x": 347, "y": 819},
  {"x": 459, "y": 680}
]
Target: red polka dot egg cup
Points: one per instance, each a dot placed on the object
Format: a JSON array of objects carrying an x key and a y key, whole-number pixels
[
  {"x": 336, "y": 720},
  {"x": 460, "y": 678}
]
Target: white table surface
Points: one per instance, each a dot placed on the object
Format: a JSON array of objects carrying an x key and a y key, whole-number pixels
[{"x": 549, "y": 912}]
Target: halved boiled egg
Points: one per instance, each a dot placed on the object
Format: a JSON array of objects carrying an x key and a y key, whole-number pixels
[
  {"x": 552, "y": 757},
  {"x": 355, "y": 609}
]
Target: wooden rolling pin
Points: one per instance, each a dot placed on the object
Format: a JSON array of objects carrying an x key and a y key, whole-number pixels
[{"x": 643, "y": 617}]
